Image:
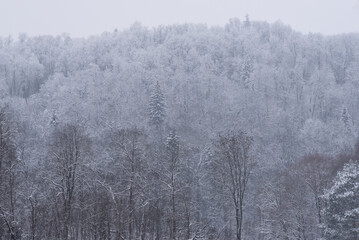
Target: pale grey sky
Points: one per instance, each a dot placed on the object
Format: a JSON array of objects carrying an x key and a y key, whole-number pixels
[{"x": 89, "y": 17}]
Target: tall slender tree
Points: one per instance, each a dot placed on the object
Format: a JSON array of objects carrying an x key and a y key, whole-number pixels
[
  {"x": 9, "y": 175},
  {"x": 173, "y": 157},
  {"x": 128, "y": 149},
  {"x": 157, "y": 108},
  {"x": 69, "y": 150},
  {"x": 232, "y": 167}
]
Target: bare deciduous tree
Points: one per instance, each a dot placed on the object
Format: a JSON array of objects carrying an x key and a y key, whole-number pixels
[
  {"x": 127, "y": 149},
  {"x": 233, "y": 165},
  {"x": 68, "y": 152}
]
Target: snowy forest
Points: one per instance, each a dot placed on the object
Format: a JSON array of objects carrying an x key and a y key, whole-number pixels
[{"x": 246, "y": 131}]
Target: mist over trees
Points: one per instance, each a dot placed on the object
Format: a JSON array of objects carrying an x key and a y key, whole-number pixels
[{"x": 247, "y": 131}]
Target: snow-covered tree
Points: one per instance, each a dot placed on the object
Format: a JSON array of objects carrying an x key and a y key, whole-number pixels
[
  {"x": 232, "y": 168},
  {"x": 54, "y": 121},
  {"x": 342, "y": 210},
  {"x": 247, "y": 22},
  {"x": 346, "y": 118},
  {"x": 173, "y": 157},
  {"x": 9, "y": 178},
  {"x": 69, "y": 152},
  {"x": 127, "y": 150},
  {"x": 157, "y": 110}
]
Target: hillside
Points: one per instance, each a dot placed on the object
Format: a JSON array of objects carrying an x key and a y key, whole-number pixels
[{"x": 294, "y": 96}]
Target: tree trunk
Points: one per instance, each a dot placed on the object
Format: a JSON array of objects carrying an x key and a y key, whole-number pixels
[{"x": 173, "y": 210}]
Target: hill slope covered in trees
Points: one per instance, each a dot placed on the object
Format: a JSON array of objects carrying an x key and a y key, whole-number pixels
[{"x": 121, "y": 136}]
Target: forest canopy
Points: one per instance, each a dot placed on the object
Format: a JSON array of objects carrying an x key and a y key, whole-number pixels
[{"x": 121, "y": 135}]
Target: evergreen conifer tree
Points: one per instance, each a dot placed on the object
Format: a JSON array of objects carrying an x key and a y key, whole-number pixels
[
  {"x": 247, "y": 22},
  {"x": 156, "y": 110},
  {"x": 346, "y": 117},
  {"x": 342, "y": 209},
  {"x": 54, "y": 119}
]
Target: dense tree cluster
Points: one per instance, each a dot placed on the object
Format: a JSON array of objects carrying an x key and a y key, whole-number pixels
[{"x": 246, "y": 131}]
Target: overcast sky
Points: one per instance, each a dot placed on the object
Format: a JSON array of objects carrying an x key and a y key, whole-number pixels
[{"x": 88, "y": 17}]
